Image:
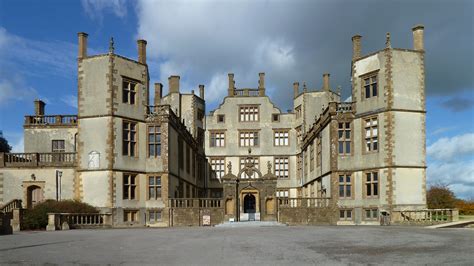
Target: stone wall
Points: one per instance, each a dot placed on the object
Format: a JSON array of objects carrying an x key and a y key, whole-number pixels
[
  {"x": 306, "y": 216},
  {"x": 194, "y": 216}
]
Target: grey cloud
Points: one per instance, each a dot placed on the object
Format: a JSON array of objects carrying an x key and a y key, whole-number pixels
[
  {"x": 458, "y": 104},
  {"x": 304, "y": 39}
]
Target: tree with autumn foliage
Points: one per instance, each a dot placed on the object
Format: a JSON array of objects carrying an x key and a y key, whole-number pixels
[{"x": 440, "y": 196}]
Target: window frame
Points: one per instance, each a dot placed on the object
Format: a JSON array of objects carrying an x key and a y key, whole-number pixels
[
  {"x": 129, "y": 186},
  {"x": 372, "y": 211},
  {"x": 373, "y": 138},
  {"x": 155, "y": 212},
  {"x": 278, "y": 171},
  {"x": 277, "y": 115},
  {"x": 372, "y": 184},
  {"x": 131, "y": 213},
  {"x": 222, "y": 141},
  {"x": 256, "y": 136},
  {"x": 157, "y": 188},
  {"x": 218, "y": 118},
  {"x": 344, "y": 138},
  {"x": 345, "y": 217},
  {"x": 130, "y": 91},
  {"x": 221, "y": 164},
  {"x": 250, "y": 110},
  {"x": 156, "y": 145},
  {"x": 344, "y": 183},
  {"x": 256, "y": 161},
  {"x": 370, "y": 76},
  {"x": 281, "y": 138},
  {"x": 128, "y": 142},
  {"x": 58, "y": 141}
]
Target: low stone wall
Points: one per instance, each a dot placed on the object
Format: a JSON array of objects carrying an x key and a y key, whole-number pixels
[
  {"x": 425, "y": 216},
  {"x": 5, "y": 226},
  {"x": 306, "y": 216},
  {"x": 195, "y": 216}
]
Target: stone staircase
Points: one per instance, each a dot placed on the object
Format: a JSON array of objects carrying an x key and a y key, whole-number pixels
[{"x": 250, "y": 224}]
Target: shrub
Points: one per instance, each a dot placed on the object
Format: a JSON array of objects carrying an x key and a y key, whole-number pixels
[
  {"x": 37, "y": 218},
  {"x": 466, "y": 207}
]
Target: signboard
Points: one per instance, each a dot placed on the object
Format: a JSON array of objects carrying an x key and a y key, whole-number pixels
[{"x": 206, "y": 220}]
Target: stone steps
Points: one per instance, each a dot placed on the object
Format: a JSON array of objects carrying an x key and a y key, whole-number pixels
[{"x": 251, "y": 224}]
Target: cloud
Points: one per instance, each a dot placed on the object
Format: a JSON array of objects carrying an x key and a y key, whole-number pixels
[
  {"x": 442, "y": 130},
  {"x": 95, "y": 8},
  {"x": 459, "y": 176},
  {"x": 70, "y": 100},
  {"x": 451, "y": 161},
  {"x": 450, "y": 149},
  {"x": 458, "y": 104},
  {"x": 300, "y": 40},
  {"x": 13, "y": 87}
]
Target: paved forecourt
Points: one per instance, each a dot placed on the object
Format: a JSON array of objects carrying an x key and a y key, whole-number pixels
[{"x": 242, "y": 246}]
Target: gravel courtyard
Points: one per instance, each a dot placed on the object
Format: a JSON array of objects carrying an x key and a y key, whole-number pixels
[{"x": 327, "y": 245}]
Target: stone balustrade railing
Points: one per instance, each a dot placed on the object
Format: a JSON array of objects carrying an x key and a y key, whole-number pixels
[
  {"x": 37, "y": 159},
  {"x": 425, "y": 216},
  {"x": 303, "y": 202},
  {"x": 195, "y": 203},
  {"x": 11, "y": 205},
  {"x": 50, "y": 120},
  {"x": 246, "y": 92},
  {"x": 65, "y": 221}
]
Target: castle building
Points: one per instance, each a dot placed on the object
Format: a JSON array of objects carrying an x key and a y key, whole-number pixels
[{"x": 365, "y": 158}]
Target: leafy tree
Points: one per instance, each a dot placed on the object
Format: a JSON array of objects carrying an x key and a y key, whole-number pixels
[
  {"x": 4, "y": 147},
  {"x": 440, "y": 196}
]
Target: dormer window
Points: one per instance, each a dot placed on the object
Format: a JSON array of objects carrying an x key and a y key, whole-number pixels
[
  {"x": 275, "y": 117},
  {"x": 220, "y": 118}
]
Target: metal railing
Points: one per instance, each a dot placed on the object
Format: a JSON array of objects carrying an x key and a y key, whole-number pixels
[
  {"x": 35, "y": 120},
  {"x": 38, "y": 159},
  {"x": 303, "y": 202}
]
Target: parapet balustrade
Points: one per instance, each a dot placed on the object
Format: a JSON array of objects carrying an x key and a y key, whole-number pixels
[
  {"x": 246, "y": 92},
  {"x": 38, "y": 159},
  {"x": 195, "y": 203},
  {"x": 53, "y": 120},
  {"x": 163, "y": 109},
  {"x": 344, "y": 107},
  {"x": 303, "y": 202},
  {"x": 426, "y": 216},
  {"x": 64, "y": 221}
]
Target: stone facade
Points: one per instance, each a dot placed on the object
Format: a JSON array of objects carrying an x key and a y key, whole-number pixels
[{"x": 324, "y": 162}]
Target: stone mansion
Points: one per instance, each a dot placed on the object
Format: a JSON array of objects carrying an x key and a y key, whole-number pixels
[{"x": 136, "y": 159}]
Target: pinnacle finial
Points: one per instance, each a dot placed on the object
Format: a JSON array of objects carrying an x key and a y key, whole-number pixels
[
  {"x": 269, "y": 167},
  {"x": 111, "y": 45},
  {"x": 387, "y": 41},
  {"x": 229, "y": 168}
]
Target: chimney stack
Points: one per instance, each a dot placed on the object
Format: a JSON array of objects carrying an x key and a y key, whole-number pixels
[
  {"x": 418, "y": 37},
  {"x": 296, "y": 89},
  {"x": 201, "y": 91},
  {"x": 326, "y": 82},
  {"x": 230, "y": 90},
  {"x": 82, "y": 44},
  {"x": 141, "y": 51},
  {"x": 158, "y": 93},
  {"x": 261, "y": 84},
  {"x": 173, "y": 84},
  {"x": 39, "y": 107},
  {"x": 356, "y": 47}
]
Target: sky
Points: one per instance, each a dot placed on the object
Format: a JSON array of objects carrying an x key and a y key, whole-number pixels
[{"x": 203, "y": 40}]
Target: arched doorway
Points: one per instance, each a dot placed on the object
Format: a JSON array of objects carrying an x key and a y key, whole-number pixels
[
  {"x": 249, "y": 203},
  {"x": 34, "y": 195}
]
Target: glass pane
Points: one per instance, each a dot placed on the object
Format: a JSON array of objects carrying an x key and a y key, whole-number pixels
[
  {"x": 376, "y": 190},
  {"x": 158, "y": 181},
  {"x": 348, "y": 125},
  {"x": 151, "y": 216},
  {"x": 369, "y": 190},
  {"x": 158, "y": 150},
  {"x": 151, "y": 192},
  {"x": 125, "y": 97},
  {"x": 341, "y": 214},
  {"x": 349, "y": 213},
  {"x": 348, "y": 147},
  {"x": 341, "y": 191},
  {"x": 341, "y": 125},
  {"x": 348, "y": 178},
  {"x": 132, "y": 97},
  {"x": 376, "y": 146},
  {"x": 367, "y": 213},
  {"x": 367, "y": 91},
  {"x": 151, "y": 138},
  {"x": 341, "y": 147},
  {"x": 374, "y": 89},
  {"x": 341, "y": 133},
  {"x": 151, "y": 180},
  {"x": 348, "y": 190},
  {"x": 341, "y": 178},
  {"x": 376, "y": 176},
  {"x": 151, "y": 150},
  {"x": 348, "y": 134},
  {"x": 132, "y": 192}
]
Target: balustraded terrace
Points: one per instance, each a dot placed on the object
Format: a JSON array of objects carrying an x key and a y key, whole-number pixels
[{"x": 37, "y": 159}]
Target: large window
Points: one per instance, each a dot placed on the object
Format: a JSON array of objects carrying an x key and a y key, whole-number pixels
[
  {"x": 281, "y": 167},
  {"x": 345, "y": 186},
  {"x": 280, "y": 137},
  {"x": 344, "y": 137},
  {"x": 372, "y": 184},
  {"x": 129, "y": 186},
  {"x": 58, "y": 146},
  {"x": 154, "y": 187},
  {"x": 311, "y": 156},
  {"x": 217, "y": 138},
  {"x": 129, "y": 91},
  {"x": 370, "y": 86},
  {"x": 129, "y": 144},
  {"x": 154, "y": 141},
  {"x": 371, "y": 214},
  {"x": 130, "y": 216},
  {"x": 371, "y": 134},
  {"x": 319, "y": 149},
  {"x": 256, "y": 163},
  {"x": 298, "y": 111},
  {"x": 249, "y": 113},
  {"x": 299, "y": 135},
  {"x": 248, "y": 138},
  {"x": 218, "y": 167}
]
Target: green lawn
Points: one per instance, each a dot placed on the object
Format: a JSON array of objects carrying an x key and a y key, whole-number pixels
[{"x": 466, "y": 217}]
